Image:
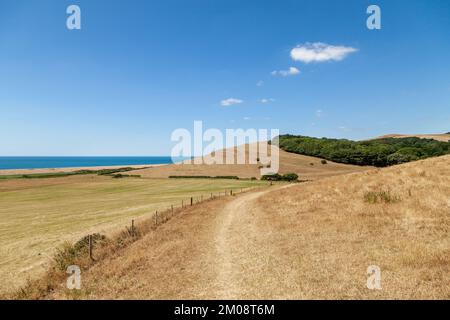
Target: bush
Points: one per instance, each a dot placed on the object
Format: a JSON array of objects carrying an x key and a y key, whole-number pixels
[
  {"x": 398, "y": 158},
  {"x": 323, "y": 161},
  {"x": 190, "y": 177},
  {"x": 290, "y": 177},
  {"x": 204, "y": 177},
  {"x": 227, "y": 177},
  {"x": 119, "y": 175},
  {"x": 67, "y": 254},
  {"x": 278, "y": 177},
  {"x": 271, "y": 177}
]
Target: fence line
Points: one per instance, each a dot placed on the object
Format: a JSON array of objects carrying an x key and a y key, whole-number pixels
[{"x": 163, "y": 215}]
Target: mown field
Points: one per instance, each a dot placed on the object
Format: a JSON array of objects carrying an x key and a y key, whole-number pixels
[{"x": 37, "y": 215}]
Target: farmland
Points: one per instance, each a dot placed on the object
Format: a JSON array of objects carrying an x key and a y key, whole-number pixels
[{"x": 37, "y": 215}]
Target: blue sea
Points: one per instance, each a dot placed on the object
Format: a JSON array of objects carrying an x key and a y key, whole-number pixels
[{"x": 69, "y": 162}]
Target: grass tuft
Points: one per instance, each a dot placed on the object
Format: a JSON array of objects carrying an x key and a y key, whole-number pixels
[{"x": 380, "y": 197}]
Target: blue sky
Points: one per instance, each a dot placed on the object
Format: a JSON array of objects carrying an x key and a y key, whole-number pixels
[{"x": 137, "y": 70}]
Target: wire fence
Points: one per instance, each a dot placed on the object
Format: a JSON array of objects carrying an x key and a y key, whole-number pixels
[{"x": 159, "y": 217}]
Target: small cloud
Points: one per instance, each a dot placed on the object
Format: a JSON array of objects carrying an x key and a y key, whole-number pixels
[
  {"x": 285, "y": 73},
  {"x": 320, "y": 52},
  {"x": 230, "y": 101},
  {"x": 267, "y": 100},
  {"x": 246, "y": 118},
  {"x": 343, "y": 128},
  {"x": 260, "y": 83},
  {"x": 319, "y": 113}
]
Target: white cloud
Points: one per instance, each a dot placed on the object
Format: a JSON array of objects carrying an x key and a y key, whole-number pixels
[
  {"x": 260, "y": 83},
  {"x": 230, "y": 101},
  {"x": 320, "y": 52},
  {"x": 284, "y": 73},
  {"x": 319, "y": 113},
  {"x": 247, "y": 118},
  {"x": 344, "y": 128},
  {"x": 267, "y": 100}
]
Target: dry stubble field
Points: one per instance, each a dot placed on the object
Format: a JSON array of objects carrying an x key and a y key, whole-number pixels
[{"x": 37, "y": 215}]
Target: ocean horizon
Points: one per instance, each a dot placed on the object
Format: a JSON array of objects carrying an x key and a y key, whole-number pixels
[{"x": 30, "y": 162}]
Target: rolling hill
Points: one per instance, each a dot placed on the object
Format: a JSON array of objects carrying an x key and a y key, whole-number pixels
[
  {"x": 445, "y": 137},
  {"x": 308, "y": 168}
]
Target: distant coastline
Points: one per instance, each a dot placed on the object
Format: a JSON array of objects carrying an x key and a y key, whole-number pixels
[{"x": 12, "y": 165}]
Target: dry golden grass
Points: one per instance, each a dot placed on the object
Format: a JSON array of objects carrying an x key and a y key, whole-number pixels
[
  {"x": 308, "y": 168},
  {"x": 325, "y": 234},
  {"x": 305, "y": 241},
  {"x": 439, "y": 137},
  {"x": 37, "y": 215}
]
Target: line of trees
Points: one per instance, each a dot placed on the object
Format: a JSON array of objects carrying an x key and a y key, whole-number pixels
[{"x": 379, "y": 152}]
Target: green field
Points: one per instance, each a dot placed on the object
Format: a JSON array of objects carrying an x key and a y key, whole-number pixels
[{"x": 37, "y": 215}]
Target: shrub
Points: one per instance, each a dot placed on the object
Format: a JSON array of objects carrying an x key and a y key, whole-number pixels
[
  {"x": 323, "y": 161},
  {"x": 271, "y": 177},
  {"x": 278, "y": 177},
  {"x": 227, "y": 177},
  {"x": 189, "y": 177},
  {"x": 290, "y": 177},
  {"x": 398, "y": 158},
  {"x": 67, "y": 254},
  {"x": 204, "y": 177},
  {"x": 82, "y": 245},
  {"x": 119, "y": 175},
  {"x": 380, "y": 196}
]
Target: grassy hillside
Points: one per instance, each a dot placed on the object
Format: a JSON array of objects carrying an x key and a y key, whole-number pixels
[
  {"x": 308, "y": 168},
  {"x": 378, "y": 152},
  {"x": 439, "y": 137},
  {"x": 331, "y": 230}
]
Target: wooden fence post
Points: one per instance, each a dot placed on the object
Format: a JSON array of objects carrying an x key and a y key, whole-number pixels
[
  {"x": 90, "y": 247},
  {"x": 182, "y": 204},
  {"x": 132, "y": 228},
  {"x": 172, "y": 210},
  {"x": 192, "y": 200},
  {"x": 231, "y": 192},
  {"x": 156, "y": 217}
]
